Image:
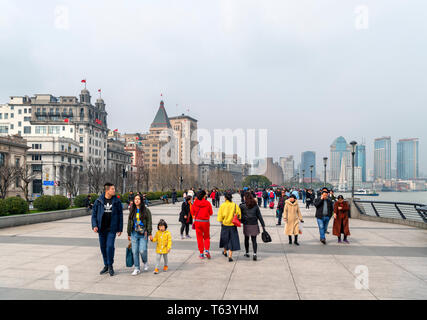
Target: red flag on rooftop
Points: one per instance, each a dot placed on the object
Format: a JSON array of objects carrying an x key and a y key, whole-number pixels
[
  {"x": 65, "y": 120},
  {"x": 84, "y": 81},
  {"x": 116, "y": 130}
]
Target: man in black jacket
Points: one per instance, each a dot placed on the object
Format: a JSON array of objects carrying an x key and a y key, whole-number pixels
[
  {"x": 324, "y": 210},
  {"x": 107, "y": 221}
]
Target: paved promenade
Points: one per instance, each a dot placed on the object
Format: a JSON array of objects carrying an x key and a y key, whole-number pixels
[{"x": 395, "y": 257}]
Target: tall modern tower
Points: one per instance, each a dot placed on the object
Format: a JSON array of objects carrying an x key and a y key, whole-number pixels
[
  {"x": 308, "y": 158},
  {"x": 340, "y": 151},
  {"x": 360, "y": 160},
  {"x": 382, "y": 158},
  {"x": 407, "y": 159}
]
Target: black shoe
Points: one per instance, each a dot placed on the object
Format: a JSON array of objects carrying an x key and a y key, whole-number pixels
[
  {"x": 230, "y": 259},
  {"x": 323, "y": 241},
  {"x": 225, "y": 254},
  {"x": 290, "y": 242},
  {"x": 247, "y": 255},
  {"x": 327, "y": 232},
  {"x": 254, "y": 258},
  {"x": 278, "y": 224},
  {"x": 111, "y": 270},
  {"x": 105, "y": 270},
  {"x": 296, "y": 243}
]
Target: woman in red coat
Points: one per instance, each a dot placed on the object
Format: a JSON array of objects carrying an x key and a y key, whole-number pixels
[
  {"x": 201, "y": 212},
  {"x": 341, "y": 225}
]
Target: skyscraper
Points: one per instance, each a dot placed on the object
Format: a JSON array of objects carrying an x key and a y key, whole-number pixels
[
  {"x": 360, "y": 160},
  {"x": 407, "y": 159},
  {"x": 340, "y": 151},
  {"x": 382, "y": 158},
  {"x": 288, "y": 167},
  {"x": 308, "y": 158}
]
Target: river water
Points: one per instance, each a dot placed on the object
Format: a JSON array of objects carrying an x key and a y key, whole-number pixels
[{"x": 412, "y": 197}]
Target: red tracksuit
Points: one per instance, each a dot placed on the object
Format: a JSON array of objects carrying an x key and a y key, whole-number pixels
[{"x": 202, "y": 210}]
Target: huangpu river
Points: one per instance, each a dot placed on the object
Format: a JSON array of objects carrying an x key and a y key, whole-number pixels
[{"x": 412, "y": 197}]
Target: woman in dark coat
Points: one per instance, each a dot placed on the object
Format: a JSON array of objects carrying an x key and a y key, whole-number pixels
[
  {"x": 341, "y": 225},
  {"x": 250, "y": 217},
  {"x": 185, "y": 217}
]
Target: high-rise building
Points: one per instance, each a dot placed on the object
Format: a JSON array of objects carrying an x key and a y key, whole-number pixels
[
  {"x": 407, "y": 159},
  {"x": 185, "y": 128},
  {"x": 360, "y": 160},
  {"x": 288, "y": 167},
  {"x": 339, "y": 152},
  {"x": 308, "y": 158},
  {"x": 382, "y": 158}
]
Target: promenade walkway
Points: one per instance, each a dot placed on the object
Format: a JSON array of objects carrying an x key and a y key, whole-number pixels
[{"x": 394, "y": 255}]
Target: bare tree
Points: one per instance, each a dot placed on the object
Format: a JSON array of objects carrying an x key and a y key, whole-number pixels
[
  {"x": 8, "y": 174},
  {"x": 27, "y": 176},
  {"x": 72, "y": 181},
  {"x": 96, "y": 177}
]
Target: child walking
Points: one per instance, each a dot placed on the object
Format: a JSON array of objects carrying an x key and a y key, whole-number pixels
[{"x": 164, "y": 244}]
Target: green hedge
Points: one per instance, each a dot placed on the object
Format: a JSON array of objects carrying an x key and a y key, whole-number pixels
[
  {"x": 13, "y": 205},
  {"x": 48, "y": 203},
  {"x": 79, "y": 201}
]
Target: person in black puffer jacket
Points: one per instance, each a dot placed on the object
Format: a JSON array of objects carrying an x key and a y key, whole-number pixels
[
  {"x": 185, "y": 217},
  {"x": 250, "y": 216}
]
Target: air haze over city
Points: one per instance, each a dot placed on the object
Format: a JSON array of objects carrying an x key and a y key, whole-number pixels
[{"x": 306, "y": 74}]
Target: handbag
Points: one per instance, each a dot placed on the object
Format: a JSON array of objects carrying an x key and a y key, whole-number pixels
[
  {"x": 265, "y": 236},
  {"x": 300, "y": 227},
  {"x": 129, "y": 256},
  {"x": 236, "y": 220}
]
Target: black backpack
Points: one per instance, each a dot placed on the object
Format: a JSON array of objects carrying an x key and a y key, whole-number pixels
[{"x": 264, "y": 194}]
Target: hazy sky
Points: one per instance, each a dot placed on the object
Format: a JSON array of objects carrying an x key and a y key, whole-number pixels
[{"x": 307, "y": 70}]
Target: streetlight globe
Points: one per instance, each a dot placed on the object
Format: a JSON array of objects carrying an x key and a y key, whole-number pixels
[
  {"x": 325, "y": 160},
  {"x": 353, "y": 146}
]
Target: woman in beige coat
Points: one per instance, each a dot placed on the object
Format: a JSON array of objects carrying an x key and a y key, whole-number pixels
[{"x": 292, "y": 216}]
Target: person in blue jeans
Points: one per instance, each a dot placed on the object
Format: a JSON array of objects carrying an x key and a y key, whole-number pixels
[
  {"x": 265, "y": 197},
  {"x": 107, "y": 221},
  {"x": 324, "y": 211},
  {"x": 139, "y": 231}
]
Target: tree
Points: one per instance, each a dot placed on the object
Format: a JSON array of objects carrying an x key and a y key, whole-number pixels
[
  {"x": 27, "y": 176},
  {"x": 72, "y": 181},
  {"x": 96, "y": 177},
  {"x": 8, "y": 174},
  {"x": 256, "y": 181}
]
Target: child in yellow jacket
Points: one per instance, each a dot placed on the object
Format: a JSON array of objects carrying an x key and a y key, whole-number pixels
[{"x": 164, "y": 244}]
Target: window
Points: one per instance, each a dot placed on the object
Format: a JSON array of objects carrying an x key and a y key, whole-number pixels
[
  {"x": 81, "y": 149},
  {"x": 37, "y": 186},
  {"x": 36, "y": 167},
  {"x": 36, "y": 157},
  {"x": 6, "y": 116},
  {"x": 27, "y": 130},
  {"x": 4, "y": 129},
  {"x": 19, "y": 124},
  {"x": 81, "y": 139},
  {"x": 17, "y": 162},
  {"x": 27, "y": 118},
  {"x": 40, "y": 129},
  {"x": 62, "y": 158},
  {"x": 11, "y": 126},
  {"x": 62, "y": 147},
  {"x": 63, "y": 128},
  {"x": 19, "y": 111},
  {"x": 29, "y": 110},
  {"x": 71, "y": 130},
  {"x": 1, "y": 116},
  {"x": 53, "y": 129},
  {"x": 81, "y": 130},
  {"x": 12, "y": 115},
  {"x": 36, "y": 146},
  {"x": 25, "y": 110}
]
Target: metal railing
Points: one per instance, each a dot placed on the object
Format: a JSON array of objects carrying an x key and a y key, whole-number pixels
[{"x": 397, "y": 210}]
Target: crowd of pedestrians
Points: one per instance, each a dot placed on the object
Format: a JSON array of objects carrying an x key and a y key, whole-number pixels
[{"x": 196, "y": 211}]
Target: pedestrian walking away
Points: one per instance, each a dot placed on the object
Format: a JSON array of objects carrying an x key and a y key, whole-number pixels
[
  {"x": 201, "y": 210},
  {"x": 164, "y": 245},
  {"x": 139, "y": 230},
  {"x": 341, "y": 221},
  {"x": 251, "y": 214},
  {"x": 229, "y": 238},
  {"x": 107, "y": 221},
  {"x": 324, "y": 211},
  {"x": 281, "y": 207},
  {"x": 185, "y": 217},
  {"x": 292, "y": 217}
]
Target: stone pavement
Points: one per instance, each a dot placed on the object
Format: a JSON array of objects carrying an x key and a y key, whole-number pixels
[{"x": 394, "y": 256}]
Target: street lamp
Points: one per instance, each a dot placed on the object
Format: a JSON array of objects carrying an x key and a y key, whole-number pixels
[
  {"x": 297, "y": 180},
  {"x": 325, "y": 162},
  {"x": 303, "y": 172},
  {"x": 311, "y": 176},
  {"x": 353, "y": 152}
]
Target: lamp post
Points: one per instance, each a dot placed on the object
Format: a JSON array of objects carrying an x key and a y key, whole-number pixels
[
  {"x": 297, "y": 180},
  {"x": 303, "y": 172},
  {"x": 311, "y": 176},
  {"x": 325, "y": 162},
  {"x": 353, "y": 152}
]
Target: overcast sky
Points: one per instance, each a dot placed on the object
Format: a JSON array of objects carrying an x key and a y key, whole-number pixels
[{"x": 307, "y": 70}]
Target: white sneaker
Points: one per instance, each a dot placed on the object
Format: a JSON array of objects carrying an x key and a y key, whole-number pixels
[
  {"x": 135, "y": 272},
  {"x": 145, "y": 266}
]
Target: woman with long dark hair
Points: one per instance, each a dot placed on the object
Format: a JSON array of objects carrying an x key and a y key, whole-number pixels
[
  {"x": 139, "y": 231},
  {"x": 229, "y": 236},
  {"x": 185, "y": 217},
  {"x": 250, "y": 217}
]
